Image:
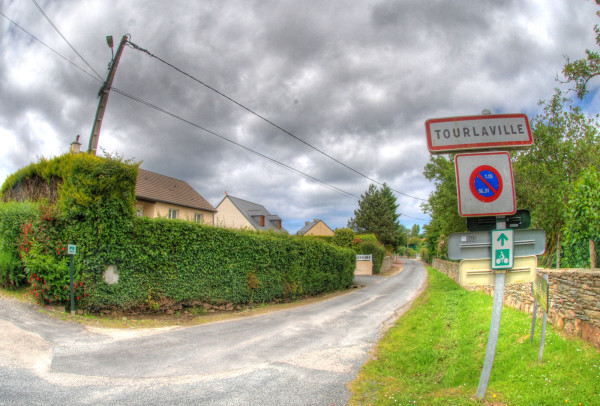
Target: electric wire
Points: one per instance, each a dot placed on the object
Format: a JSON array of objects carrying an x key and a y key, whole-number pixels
[
  {"x": 55, "y": 52},
  {"x": 164, "y": 111},
  {"x": 65, "y": 39},
  {"x": 272, "y": 160},
  {"x": 138, "y": 48}
]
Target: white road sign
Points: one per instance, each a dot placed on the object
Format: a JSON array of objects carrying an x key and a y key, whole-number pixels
[
  {"x": 485, "y": 186},
  {"x": 478, "y": 132},
  {"x": 476, "y": 272}
]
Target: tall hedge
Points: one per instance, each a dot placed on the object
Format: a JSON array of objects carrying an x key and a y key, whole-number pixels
[
  {"x": 183, "y": 261},
  {"x": 158, "y": 260}
]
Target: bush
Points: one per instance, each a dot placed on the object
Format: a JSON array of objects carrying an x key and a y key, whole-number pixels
[
  {"x": 184, "y": 262},
  {"x": 374, "y": 249},
  {"x": 12, "y": 273},
  {"x": 343, "y": 237},
  {"x": 159, "y": 261},
  {"x": 12, "y": 217}
]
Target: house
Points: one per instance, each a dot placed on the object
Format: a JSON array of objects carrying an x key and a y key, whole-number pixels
[
  {"x": 234, "y": 212},
  {"x": 162, "y": 196},
  {"x": 316, "y": 227}
]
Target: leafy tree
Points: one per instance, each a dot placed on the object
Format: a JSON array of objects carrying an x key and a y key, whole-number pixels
[
  {"x": 442, "y": 205},
  {"x": 565, "y": 144},
  {"x": 582, "y": 222},
  {"x": 581, "y": 71},
  {"x": 415, "y": 231},
  {"x": 376, "y": 214}
]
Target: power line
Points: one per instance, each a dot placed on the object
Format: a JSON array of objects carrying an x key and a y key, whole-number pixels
[
  {"x": 162, "y": 110},
  {"x": 155, "y": 107},
  {"x": 44, "y": 44},
  {"x": 137, "y": 47},
  {"x": 65, "y": 39}
]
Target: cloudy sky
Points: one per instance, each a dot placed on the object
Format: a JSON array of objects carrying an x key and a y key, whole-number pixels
[{"x": 350, "y": 80}]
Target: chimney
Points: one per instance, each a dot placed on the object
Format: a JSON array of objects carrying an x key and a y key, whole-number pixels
[
  {"x": 306, "y": 223},
  {"x": 75, "y": 146}
]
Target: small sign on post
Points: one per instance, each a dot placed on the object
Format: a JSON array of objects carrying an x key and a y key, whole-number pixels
[
  {"x": 71, "y": 250},
  {"x": 502, "y": 249}
]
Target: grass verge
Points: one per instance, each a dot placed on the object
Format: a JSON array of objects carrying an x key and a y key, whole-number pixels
[{"x": 435, "y": 352}]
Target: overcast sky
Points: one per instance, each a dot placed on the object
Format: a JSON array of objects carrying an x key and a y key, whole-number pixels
[{"x": 354, "y": 79}]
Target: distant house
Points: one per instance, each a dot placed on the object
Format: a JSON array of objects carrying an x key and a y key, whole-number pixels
[
  {"x": 234, "y": 212},
  {"x": 162, "y": 196},
  {"x": 316, "y": 227}
]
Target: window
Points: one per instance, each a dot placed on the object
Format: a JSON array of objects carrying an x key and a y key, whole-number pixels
[
  {"x": 262, "y": 221},
  {"x": 139, "y": 210},
  {"x": 198, "y": 218},
  {"x": 173, "y": 214}
]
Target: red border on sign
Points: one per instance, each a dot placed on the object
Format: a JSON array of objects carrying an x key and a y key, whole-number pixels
[
  {"x": 474, "y": 146},
  {"x": 490, "y": 213},
  {"x": 475, "y": 174}
]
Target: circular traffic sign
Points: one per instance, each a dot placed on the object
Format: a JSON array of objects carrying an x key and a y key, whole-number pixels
[{"x": 486, "y": 183}]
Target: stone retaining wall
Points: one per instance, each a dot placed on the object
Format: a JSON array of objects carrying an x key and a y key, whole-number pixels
[{"x": 574, "y": 298}]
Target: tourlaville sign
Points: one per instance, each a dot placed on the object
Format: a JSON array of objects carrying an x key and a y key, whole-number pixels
[{"x": 478, "y": 132}]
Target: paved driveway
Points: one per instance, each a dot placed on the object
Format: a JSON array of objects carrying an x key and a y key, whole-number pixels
[{"x": 301, "y": 356}]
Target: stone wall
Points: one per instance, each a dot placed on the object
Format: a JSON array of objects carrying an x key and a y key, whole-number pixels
[{"x": 574, "y": 298}]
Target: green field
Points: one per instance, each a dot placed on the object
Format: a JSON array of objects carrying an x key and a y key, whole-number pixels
[{"x": 435, "y": 352}]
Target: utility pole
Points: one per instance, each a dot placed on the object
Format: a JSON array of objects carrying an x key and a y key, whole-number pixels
[{"x": 103, "y": 93}]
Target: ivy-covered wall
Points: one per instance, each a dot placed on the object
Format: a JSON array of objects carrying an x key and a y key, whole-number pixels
[{"x": 157, "y": 260}]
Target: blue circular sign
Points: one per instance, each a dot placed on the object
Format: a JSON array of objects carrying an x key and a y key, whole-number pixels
[{"x": 486, "y": 183}]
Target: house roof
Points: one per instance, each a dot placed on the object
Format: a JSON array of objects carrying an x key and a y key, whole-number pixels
[
  {"x": 252, "y": 213},
  {"x": 160, "y": 188},
  {"x": 308, "y": 225}
]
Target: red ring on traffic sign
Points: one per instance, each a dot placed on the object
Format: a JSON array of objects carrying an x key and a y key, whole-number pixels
[{"x": 492, "y": 181}]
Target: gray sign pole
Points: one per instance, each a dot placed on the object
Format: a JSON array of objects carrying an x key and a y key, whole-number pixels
[
  {"x": 71, "y": 284},
  {"x": 544, "y": 320},
  {"x": 500, "y": 278},
  {"x": 535, "y": 306}
]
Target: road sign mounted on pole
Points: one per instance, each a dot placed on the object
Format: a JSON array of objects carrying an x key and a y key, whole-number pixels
[
  {"x": 476, "y": 272},
  {"x": 502, "y": 249},
  {"x": 485, "y": 186},
  {"x": 477, "y": 244},
  {"x": 478, "y": 132}
]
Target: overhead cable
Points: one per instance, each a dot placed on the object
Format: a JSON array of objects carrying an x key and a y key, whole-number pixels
[
  {"x": 137, "y": 47},
  {"x": 65, "y": 39}
]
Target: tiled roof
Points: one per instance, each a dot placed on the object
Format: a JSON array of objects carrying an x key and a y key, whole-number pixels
[
  {"x": 160, "y": 188},
  {"x": 307, "y": 226},
  {"x": 253, "y": 211}
]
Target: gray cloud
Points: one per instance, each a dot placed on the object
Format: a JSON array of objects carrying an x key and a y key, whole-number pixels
[{"x": 356, "y": 80}]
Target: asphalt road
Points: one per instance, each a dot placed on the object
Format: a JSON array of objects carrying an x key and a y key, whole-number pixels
[{"x": 301, "y": 356}]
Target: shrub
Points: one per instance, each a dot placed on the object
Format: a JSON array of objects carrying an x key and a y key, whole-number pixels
[
  {"x": 12, "y": 217},
  {"x": 376, "y": 250},
  {"x": 343, "y": 237}
]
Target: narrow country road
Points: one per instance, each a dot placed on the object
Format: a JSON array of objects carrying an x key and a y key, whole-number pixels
[{"x": 301, "y": 356}]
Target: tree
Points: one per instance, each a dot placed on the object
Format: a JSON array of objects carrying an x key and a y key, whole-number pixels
[
  {"x": 442, "y": 205},
  {"x": 565, "y": 144},
  {"x": 376, "y": 214},
  {"x": 582, "y": 222},
  {"x": 581, "y": 71},
  {"x": 415, "y": 231}
]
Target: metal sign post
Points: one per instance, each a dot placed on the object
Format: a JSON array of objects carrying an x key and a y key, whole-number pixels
[
  {"x": 494, "y": 325},
  {"x": 71, "y": 250},
  {"x": 541, "y": 292}
]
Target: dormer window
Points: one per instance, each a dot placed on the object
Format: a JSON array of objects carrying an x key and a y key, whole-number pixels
[{"x": 262, "y": 221}]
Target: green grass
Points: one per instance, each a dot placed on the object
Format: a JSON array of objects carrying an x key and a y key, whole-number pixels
[{"x": 435, "y": 352}]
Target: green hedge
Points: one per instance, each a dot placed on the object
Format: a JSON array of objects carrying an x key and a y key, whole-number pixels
[
  {"x": 183, "y": 261},
  {"x": 13, "y": 216},
  {"x": 158, "y": 260},
  {"x": 375, "y": 249}
]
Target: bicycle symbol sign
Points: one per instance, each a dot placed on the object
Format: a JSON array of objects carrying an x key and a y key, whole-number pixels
[{"x": 486, "y": 183}]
